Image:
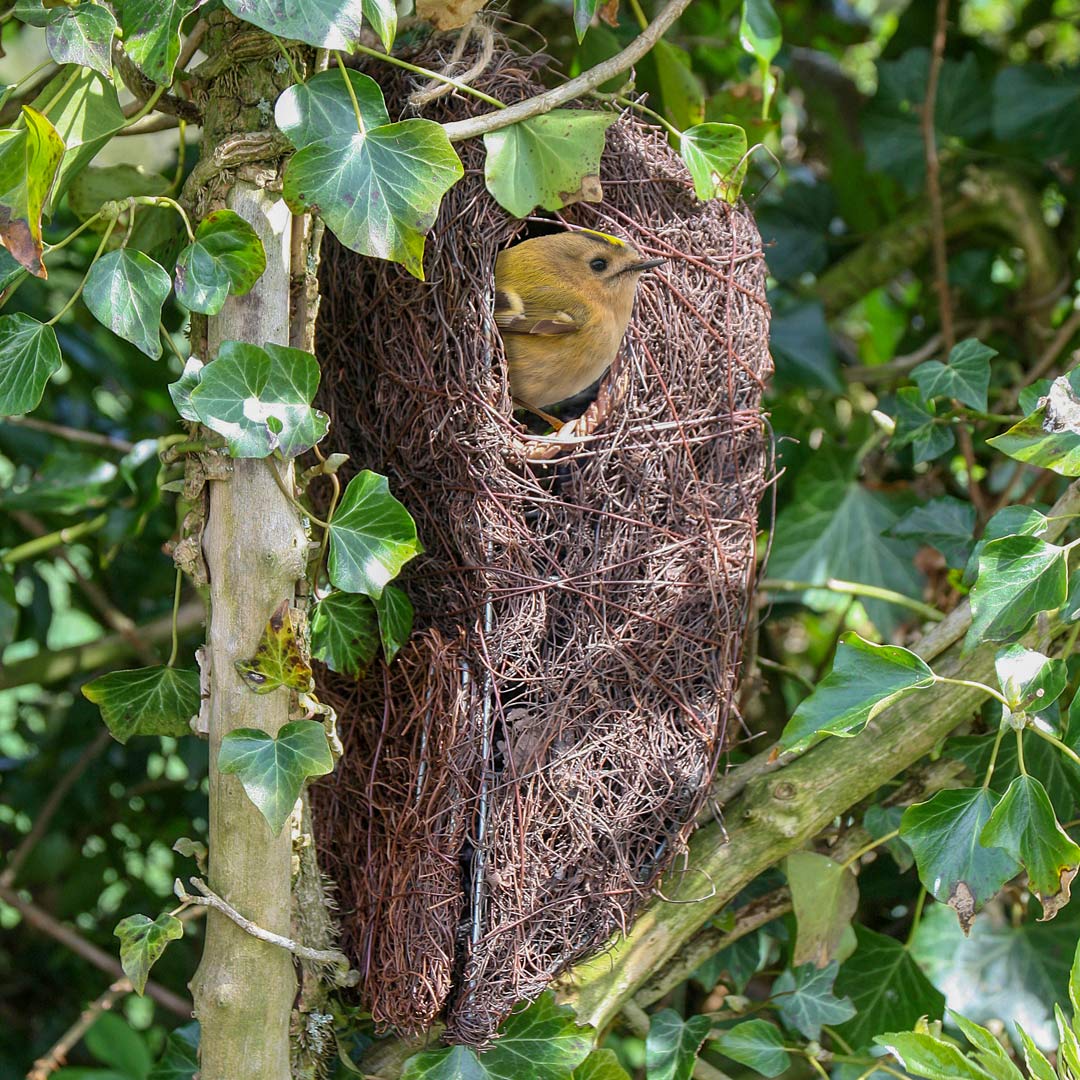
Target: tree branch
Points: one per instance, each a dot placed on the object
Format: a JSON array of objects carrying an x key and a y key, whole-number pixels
[
  {"x": 56, "y": 1056},
  {"x": 575, "y": 88}
]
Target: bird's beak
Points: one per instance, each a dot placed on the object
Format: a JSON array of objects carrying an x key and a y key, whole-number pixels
[{"x": 648, "y": 264}]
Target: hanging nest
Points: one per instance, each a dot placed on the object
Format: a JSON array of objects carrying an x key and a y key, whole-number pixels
[{"x": 516, "y": 780}]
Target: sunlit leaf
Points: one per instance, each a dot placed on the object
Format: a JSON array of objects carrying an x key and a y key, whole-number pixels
[
  {"x": 321, "y": 108},
  {"x": 755, "y": 1044},
  {"x": 151, "y": 30},
  {"x": 966, "y": 377},
  {"x": 82, "y": 35},
  {"x": 145, "y": 701},
  {"x": 29, "y": 356},
  {"x": 954, "y": 866},
  {"x": 865, "y": 679},
  {"x": 326, "y": 24},
  {"x": 226, "y": 257},
  {"x": 273, "y": 770},
  {"x": 180, "y": 391},
  {"x": 345, "y": 632},
  {"x": 1029, "y": 680},
  {"x": 543, "y": 161},
  {"x": 824, "y": 895},
  {"x": 372, "y": 536},
  {"x": 279, "y": 658},
  {"x": 760, "y": 35},
  {"x": 930, "y": 1057},
  {"x": 715, "y": 154},
  {"x": 142, "y": 941},
  {"x": 1050, "y": 436},
  {"x": 584, "y": 12},
  {"x": 601, "y": 1065},
  {"x": 125, "y": 291},
  {"x": 989, "y": 1053}
]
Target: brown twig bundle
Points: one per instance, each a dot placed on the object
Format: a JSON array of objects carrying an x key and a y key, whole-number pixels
[{"x": 516, "y": 780}]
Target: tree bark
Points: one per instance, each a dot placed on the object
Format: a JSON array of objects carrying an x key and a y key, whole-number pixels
[{"x": 255, "y": 551}]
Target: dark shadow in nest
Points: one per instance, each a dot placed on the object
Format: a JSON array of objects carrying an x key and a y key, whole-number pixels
[{"x": 516, "y": 780}]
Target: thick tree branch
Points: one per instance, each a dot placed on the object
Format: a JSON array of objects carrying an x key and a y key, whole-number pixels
[{"x": 575, "y": 88}]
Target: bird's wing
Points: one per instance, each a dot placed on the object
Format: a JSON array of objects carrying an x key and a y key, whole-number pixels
[{"x": 535, "y": 313}]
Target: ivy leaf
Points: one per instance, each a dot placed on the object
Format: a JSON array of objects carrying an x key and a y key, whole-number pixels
[
  {"x": 29, "y": 357},
  {"x": 321, "y": 108},
  {"x": 259, "y": 399},
  {"x": 115, "y": 1043},
  {"x": 541, "y": 1042},
  {"x": 180, "y": 391},
  {"x": 379, "y": 190},
  {"x": 381, "y": 16},
  {"x": 180, "y": 1058},
  {"x": 947, "y": 524},
  {"x": 805, "y": 998},
  {"x": 542, "y": 161},
  {"x": 67, "y": 482},
  {"x": 584, "y": 12},
  {"x": 824, "y": 895},
  {"x": 865, "y": 679},
  {"x": 125, "y": 291},
  {"x": 966, "y": 377},
  {"x": 924, "y": 1055},
  {"x": 1037, "y": 1065},
  {"x": 82, "y": 35},
  {"x": 326, "y": 24},
  {"x": 755, "y": 1044},
  {"x": 916, "y": 427},
  {"x": 1019, "y": 576},
  {"x": 882, "y": 821},
  {"x": 151, "y": 31},
  {"x": 142, "y": 942},
  {"x": 226, "y": 257},
  {"x": 29, "y": 160},
  {"x": 954, "y": 866},
  {"x": 672, "y": 1045},
  {"x": 601, "y": 1065},
  {"x": 145, "y": 701},
  {"x": 989, "y": 1053},
  {"x": 760, "y": 35},
  {"x": 273, "y": 770},
  {"x": 372, "y": 536},
  {"x": 1023, "y": 824},
  {"x": 1029, "y": 680},
  {"x": 715, "y": 154},
  {"x": 1050, "y": 436},
  {"x": 681, "y": 90},
  {"x": 886, "y": 987},
  {"x": 1011, "y": 521},
  {"x": 395, "y": 613},
  {"x": 279, "y": 658},
  {"x": 345, "y": 632}
]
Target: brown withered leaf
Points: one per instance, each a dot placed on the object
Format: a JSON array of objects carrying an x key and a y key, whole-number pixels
[{"x": 281, "y": 656}]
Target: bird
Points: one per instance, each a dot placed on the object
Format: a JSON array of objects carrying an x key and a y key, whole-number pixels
[{"x": 562, "y": 305}]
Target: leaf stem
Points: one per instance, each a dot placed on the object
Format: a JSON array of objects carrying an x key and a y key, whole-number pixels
[
  {"x": 172, "y": 344},
  {"x": 465, "y": 88},
  {"x": 975, "y": 686},
  {"x": 297, "y": 77},
  {"x": 82, "y": 284},
  {"x": 1020, "y": 751},
  {"x": 853, "y": 859},
  {"x": 352, "y": 94},
  {"x": 854, "y": 588},
  {"x": 151, "y": 101},
  {"x": 292, "y": 498},
  {"x": 175, "y": 613},
  {"x": 993, "y": 756},
  {"x": 164, "y": 200},
  {"x": 1053, "y": 740},
  {"x": 635, "y": 7},
  {"x": 916, "y": 918}
]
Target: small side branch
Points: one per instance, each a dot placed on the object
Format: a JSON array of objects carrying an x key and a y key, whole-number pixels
[
  {"x": 208, "y": 898},
  {"x": 48, "y": 1063}
]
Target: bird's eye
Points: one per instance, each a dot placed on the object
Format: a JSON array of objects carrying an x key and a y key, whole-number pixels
[{"x": 599, "y": 265}]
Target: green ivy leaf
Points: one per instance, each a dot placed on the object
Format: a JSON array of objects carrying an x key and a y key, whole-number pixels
[
  {"x": 29, "y": 159},
  {"x": 544, "y": 160},
  {"x": 145, "y": 701},
  {"x": 1037, "y": 1065},
  {"x": 372, "y": 536},
  {"x": 378, "y": 191},
  {"x": 226, "y": 257},
  {"x": 601, "y": 1065},
  {"x": 672, "y": 1044},
  {"x": 180, "y": 391},
  {"x": 125, "y": 291},
  {"x": 67, "y": 482},
  {"x": 142, "y": 942},
  {"x": 395, "y": 612},
  {"x": 259, "y": 399},
  {"x": 279, "y": 658},
  {"x": 321, "y": 108},
  {"x": 29, "y": 357},
  {"x": 760, "y": 35},
  {"x": 824, "y": 896},
  {"x": 326, "y": 24},
  {"x": 886, "y": 987},
  {"x": 715, "y": 154},
  {"x": 1023, "y": 824},
  {"x": 916, "y": 427},
  {"x": 1029, "y": 680},
  {"x": 180, "y": 1058},
  {"x": 755, "y": 1044},
  {"x": 273, "y": 770},
  {"x": 115, "y": 1043},
  {"x": 682, "y": 92},
  {"x": 584, "y": 12},
  {"x": 947, "y": 524},
  {"x": 541, "y": 1042},
  {"x": 82, "y": 35},
  {"x": 805, "y": 998},
  {"x": 966, "y": 377},
  {"x": 865, "y": 679},
  {"x": 927, "y": 1056},
  {"x": 882, "y": 821},
  {"x": 1011, "y": 521},
  {"x": 345, "y": 632},
  {"x": 151, "y": 31},
  {"x": 954, "y": 866},
  {"x": 989, "y": 1053},
  {"x": 1019, "y": 576},
  {"x": 1050, "y": 436}
]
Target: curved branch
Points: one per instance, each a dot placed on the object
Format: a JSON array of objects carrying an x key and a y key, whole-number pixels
[{"x": 575, "y": 88}]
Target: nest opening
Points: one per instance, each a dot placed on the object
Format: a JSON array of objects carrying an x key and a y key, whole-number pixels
[{"x": 514, "y": 783}]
